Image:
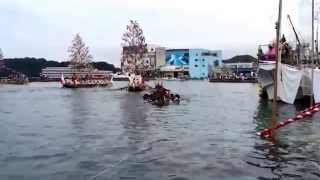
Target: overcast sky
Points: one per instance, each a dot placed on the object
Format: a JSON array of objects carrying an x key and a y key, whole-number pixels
[{"x": 45, "y": 28}]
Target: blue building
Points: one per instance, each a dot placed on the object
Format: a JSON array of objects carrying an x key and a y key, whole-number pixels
[{"x": 197, "y": 62}]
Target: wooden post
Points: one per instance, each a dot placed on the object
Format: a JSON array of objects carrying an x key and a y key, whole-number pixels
[
  {"x": 312, "y": 55},
  {"x": 317, "y": 45},
  {"x": 275, "y": 81}
]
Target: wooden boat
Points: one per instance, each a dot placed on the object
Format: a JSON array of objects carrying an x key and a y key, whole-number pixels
[
  {"x": 85, "y": 83},
  {"x": 136, "y": 83},
  {"x": 136, "y": 88},
  {"x": 249, "y": 80}
]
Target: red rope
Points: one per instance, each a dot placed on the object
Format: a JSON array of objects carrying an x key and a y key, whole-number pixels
[{"x": 266, "y": 133}]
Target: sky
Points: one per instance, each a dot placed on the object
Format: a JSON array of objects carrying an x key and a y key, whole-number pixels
[{"x": 45, "y": 28}]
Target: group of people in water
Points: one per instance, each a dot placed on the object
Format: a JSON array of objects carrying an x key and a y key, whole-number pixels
[{"x": 161, "y": 96}]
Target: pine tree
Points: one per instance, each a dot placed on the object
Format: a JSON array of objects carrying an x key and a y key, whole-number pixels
[
  {"x": 79, "y": 53},
  {"x": 134, "y": 48},
  {"x": 2, "y": 64}
]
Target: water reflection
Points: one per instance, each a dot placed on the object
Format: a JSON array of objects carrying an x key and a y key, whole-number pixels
[{"x": 79, "y": 108}]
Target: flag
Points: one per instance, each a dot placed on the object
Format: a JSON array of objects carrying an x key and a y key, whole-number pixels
[{"x": 62, "y": 80}]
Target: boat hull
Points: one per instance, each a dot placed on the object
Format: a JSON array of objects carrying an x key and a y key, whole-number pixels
[
  {"x": 14, "y": 82},
  {"x": 120, "y": 79},
  {"x": 67, "y": 85},
  {"x": 233, "y": 81},
  {"x": 135, "y": 89}
]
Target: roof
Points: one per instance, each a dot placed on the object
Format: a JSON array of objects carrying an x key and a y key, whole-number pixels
[
  {"x": 241, "y": 59},
  {"x": 168, "y": 50}
]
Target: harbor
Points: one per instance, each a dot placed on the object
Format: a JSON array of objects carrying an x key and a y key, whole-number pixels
[
  {"x": 109, "y": 134},
  {"x": 236, "y": 98}
]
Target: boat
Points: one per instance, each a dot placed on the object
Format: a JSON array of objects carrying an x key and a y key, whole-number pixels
[
  {"x": 81, "y": 73},
  {"x": 136, "y": 83},
  {"x": 294, "y": 83},
  {"x": 174, "y": 79},
  {"x": 14, "y": 81},
  {"x": 287, "y": 79},
  {"x": 297, "y": 79},
  {"x": 52, "y": 74},
  {"x": 136, "y": 88},
  {"x": 120, "y": 77},
  {"x": 85, "y": 76},
  {"x": 13, "y": 77},
  {"x": 78, "y": 82},
  {"x": 234, "y": 80}
]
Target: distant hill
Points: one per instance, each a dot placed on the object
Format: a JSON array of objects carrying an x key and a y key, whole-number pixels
[
  {"x": 32, "y": 66},
  {"x": 241, "y": 59}
]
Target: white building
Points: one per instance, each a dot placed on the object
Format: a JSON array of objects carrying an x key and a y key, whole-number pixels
[
  {"x": 244, "y": 64},
  {"x": 54, "y": 73}
]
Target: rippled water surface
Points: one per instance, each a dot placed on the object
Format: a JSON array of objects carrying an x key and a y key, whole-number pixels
[{"x": 47, "y": 132}]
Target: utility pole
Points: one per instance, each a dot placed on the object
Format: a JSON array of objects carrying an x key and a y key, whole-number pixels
[
  {"x": 275, "y": 81},
  {"x": 312, "y": 55},
  {"x": 317, "y": 45}
]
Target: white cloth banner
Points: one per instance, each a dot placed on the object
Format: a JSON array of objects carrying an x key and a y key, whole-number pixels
[
  {"x": 306, "y": 82},
  {"x": 316, "y": 85},
  {"x": 288, "y": 83},
  {"x": 265, "y": 74}
]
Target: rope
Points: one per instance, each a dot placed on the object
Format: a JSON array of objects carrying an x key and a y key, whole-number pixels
[
  {"x": 108, "y": 169},
  {"x": 266, "y": 133}
]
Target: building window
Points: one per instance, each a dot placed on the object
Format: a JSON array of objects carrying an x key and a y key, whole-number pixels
[
  {"x": 203, "y": 65},
  {"x": 209, "y": 54},
  {"x": 203, "y": 60},
  {"x": 216, "y": 63},
  {"x": 196, "y": 65},
  {"x": 196, "y": 60}
]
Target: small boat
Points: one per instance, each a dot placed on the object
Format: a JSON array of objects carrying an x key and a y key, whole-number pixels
[
  {"x": 120, "y": 77},
  {"x": 14, "y": 81},
  {"x": 13, "y": 77}
]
